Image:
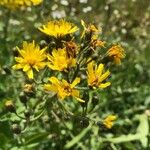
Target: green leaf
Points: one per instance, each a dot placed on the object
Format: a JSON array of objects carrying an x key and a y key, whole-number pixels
[
  {"x": 5, "y": 133},
  {"x": 123, "y": 138},
  {"x": 36, "y": 138},
  {"x": 143, "y": 130},
  {"x": 76, "y": 139}
]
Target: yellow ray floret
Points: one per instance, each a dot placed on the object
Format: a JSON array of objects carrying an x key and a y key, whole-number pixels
[
  {"x": 31, "y": 57},
  {"x": 63, "y": 88},
  {"x": 108, "y": 121},
  {"x": 58, "y": 28},
  {"x": 60, "y": 61},
  {"x": 12, "y": 4},
  {"x": 117, "y": 53},
  {"x": 96, "y": 77}
]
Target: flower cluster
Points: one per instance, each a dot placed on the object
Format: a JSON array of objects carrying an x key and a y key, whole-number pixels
[
  {"x": 13, "y": 4},
  {"x": 72, "y": 67}
]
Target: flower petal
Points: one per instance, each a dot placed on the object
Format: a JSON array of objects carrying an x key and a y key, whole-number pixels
[
  {"x": 104, "y": 76},
  {"x": 80, "y": 100},
  {"x": 54, "y": 80},
  {"x": 50, "y": 87},
  {"x": 100, "y": 69},
  {"x": 17, "y": 66},
  {"x": 75, "y": 82},
  {"x": 30, "y": 74},
  {"x": 26, "y": 68},
  {"x": 104, "y": 85}
]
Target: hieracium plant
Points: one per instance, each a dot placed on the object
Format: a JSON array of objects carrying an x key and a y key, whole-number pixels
[{"x": 63, "y": 75}]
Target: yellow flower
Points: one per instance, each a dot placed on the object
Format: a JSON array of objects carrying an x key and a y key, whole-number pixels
[
  {"x": 30, "y": 57},
  {"x": 63, "y": 88},
  {"x": 58, "y": 28},
  {"x": 12, "y": 4},
  {"x": 108, "y": 121},
  {"x": 116, "y": 52},
  {"x": 89, "y": 29},
  {"x": 95, "y": 42},
  {"x": 60, "y": 61},
  {"x": 96, "y": 77}
]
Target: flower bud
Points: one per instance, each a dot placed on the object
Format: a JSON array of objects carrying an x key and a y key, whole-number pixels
[
  {"x": 23, "y": 98},
  {"x": 10, "y": 106},
  {"x": 46, "y": 119},
  {"x": 86, "y": 98},
  {"x": 95, "y": 100},
  {"x": 84, "y": 122},
  {"x": 16, "y": 128},
  {"x": 100, "y": 124},
  {"x": 15, "y": 52},
  {"x": 27, "y": 114},
  {"x": 71, "y": 49},
  {"x": 7, "y": 70},
  {"x": 43, "y": 44},
  {"x": 28, "y": 89}
]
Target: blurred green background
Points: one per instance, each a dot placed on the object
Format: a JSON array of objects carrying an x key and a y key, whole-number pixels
[{"x": 122, "y": 21}]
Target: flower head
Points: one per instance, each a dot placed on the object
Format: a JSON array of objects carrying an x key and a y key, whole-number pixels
[
  {"x": 13, "y": 4},
  {"x": 10, "y": 106},
  {"x": 108, "y": 121},
  {"x": 71, "y": 48},
  {"x": 89, "y": 29},
  {"x": 96, "y": 77},
  {"x": 28, "y": 88},
  {"x": 116, "y": 52},
  {"x": 63, "y": 88},
  {"x": 95, "y": 42},
  {"x": 58, "y": 28},
  {"x": 60, "y": 61},
  {"x": 31, "y": 57}
]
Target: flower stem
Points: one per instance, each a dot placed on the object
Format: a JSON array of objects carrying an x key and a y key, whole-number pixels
[{"x": 5, "y": 31}]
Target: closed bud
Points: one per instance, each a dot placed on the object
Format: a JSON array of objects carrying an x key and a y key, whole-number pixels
[
  {"x": 95, "y": 100},
  {"x": 23, "y": 98},
  {"x": 86, "y": 98},
  {"x": 46, "y": 119},
  {"x": 15, "y": 52},
  {"x": 28, "y": 89},
  {"x": 16, "y": 128},
  {"x": 7, "y": 70},
  {"x": 84, "y": 122},
  {"x": 100, "y": 124},
  {"x": 10, "y": 106},
  {"x": 67, "y": 117},
  {"x": 27, "y": 114},
  {"x": 43, "y": 44}
]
